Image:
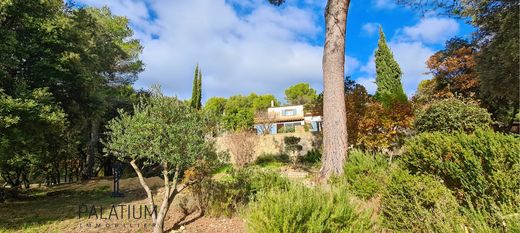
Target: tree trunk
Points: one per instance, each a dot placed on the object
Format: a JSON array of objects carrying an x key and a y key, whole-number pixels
[
  {"x": 334, "y": 112},
  {"x": 92, "y": 149},
  {"x": 107, "y": 166},
  {"x": 165, "y": 206},
  {"x": 146, "y": 188}
]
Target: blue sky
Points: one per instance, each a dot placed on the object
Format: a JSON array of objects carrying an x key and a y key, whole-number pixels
[{"x": 246, "y": 46}]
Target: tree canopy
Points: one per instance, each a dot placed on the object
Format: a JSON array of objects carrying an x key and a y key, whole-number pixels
[
  {"x": 388, "y": 75},
  {"x": 301, "y": 93},
  {"x": 84, "y": 58}
]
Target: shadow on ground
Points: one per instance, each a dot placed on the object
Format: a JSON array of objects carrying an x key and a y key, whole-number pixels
[{"x": 59, "y": 205}]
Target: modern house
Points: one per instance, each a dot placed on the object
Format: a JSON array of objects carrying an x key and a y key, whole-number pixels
[{"x": 286, "y": 119}]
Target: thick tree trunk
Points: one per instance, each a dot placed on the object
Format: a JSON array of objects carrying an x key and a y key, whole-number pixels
[
  {"x": 334, "y": 112},
  {"x": 92, "y": 149}
]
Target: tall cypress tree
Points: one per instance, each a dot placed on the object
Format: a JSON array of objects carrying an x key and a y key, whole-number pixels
[
  {"x": 196, "y": 93},
  {"x": 388, "y": 79},
  {"x": 199, "y": 91}
]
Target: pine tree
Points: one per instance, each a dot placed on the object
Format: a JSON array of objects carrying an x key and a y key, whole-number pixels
[
  {"x": 196, "y": 93},
  {"x": 388, "y": 79}
]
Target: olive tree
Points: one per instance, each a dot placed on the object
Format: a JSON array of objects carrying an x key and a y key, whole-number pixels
[{"x": 162, "y": 131}]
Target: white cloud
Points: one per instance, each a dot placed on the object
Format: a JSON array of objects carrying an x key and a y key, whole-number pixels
[
  {"x": 351, "y": 64},
  {"x": 369, "y": 83},
  {"x": 411, "y": 50},
  {"x": 384, "y": 4},
  {"x": 412, "y": 57},
  {"x": 264, "y": 50},
  {"x": 431, "y": 30},
  {"x": 370, "y": 28}
]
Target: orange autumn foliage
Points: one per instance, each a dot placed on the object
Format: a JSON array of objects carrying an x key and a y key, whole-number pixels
[
  {"x": 454, "y": 71},
  {"x": 384, "y": 128}
]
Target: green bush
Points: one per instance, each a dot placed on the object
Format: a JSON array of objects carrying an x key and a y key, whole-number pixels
[
  {"x": 365, "y": 174},
  {"x": 311, "y": 157},
  {"x": 272, "y": 158},
  {"x": 226, "y": 195},
  {"x": 302, "y": 209},
  {"x": 418, "y": 204},
  {"x": 481, "y": 168},
  {"x": 450, "y": 115}
]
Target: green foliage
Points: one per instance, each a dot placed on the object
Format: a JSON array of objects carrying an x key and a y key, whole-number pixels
[
  {"x": 450, "y": 115},
  {"x": 262, "y": 102},
  {"x": 312, "y": 156},
  {"x": 196, "y": 94},
  {"x": 292, "y": 144},
  {"x": 417, "y": 204},
  {"x": 482, "y": 167},
  {"x": 225, "y": 196},
  {"x": 301, "y": 93},
  {"x": 302, "y": 209},
  {"x": 366, "y": 174},
  {"x": 239, "y": 111},
  {"x": 388, "y": 78},
  {"x": 266, "y": 159},
  {"x": 33, "y": 137},
  {"x": 215, "y": 105},
  {"x": 497, "y": 63},
  {"x": 161, "y": 130},
  {"x": 85, "y": 57}
]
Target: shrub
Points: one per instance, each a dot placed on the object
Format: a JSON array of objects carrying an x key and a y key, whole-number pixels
[
  {"x": 292, "y": 144},
  {"x": 417, "y": 204},
  {"x": 451, "y": 115},
  {"x": 482, "y": 167},
  {"x": 272, "y": 158},
  {"x": 311, "y": 157},
  {"x": 241, "y": 146},
  {"x": 365, "y": 174},
  {"x": 226, "y": 195},
  {"x": 302, "y": 209},
  {"x": 383, "y": 128}
]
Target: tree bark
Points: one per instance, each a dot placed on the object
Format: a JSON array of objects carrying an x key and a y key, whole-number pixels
[
  {"x": 146, "y": 188},
  {"x": 170, "y": 191},
  {"x": 92, "y": 149},
  {"x": 334, "y": 112}
]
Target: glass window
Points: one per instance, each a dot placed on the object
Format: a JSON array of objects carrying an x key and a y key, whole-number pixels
[{"x": 289, "y": 112}]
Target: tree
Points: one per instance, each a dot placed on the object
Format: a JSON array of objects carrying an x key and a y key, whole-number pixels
[
  {"x": 238, "y": 114},
  {"x": 382, "y": 128},
  {"x": 82, "y": 56},
  {"x": 239, "y": 110},
  {"x": 388, "y": 79},
  {"x": 215, "y": 105},
  {"x": 301, "y": 93},
  {"x": 196, "y": 94},
  {"x": 162, "y": 131},
  {"x": 32, "y": 132},
  {"x": 262, "y": 102},
  {"x": 334, "y": 113},
  {"x": 498, "y": 42},
  {"x": 356, "y": 101},
  {"x": 454, "y": 71}
]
